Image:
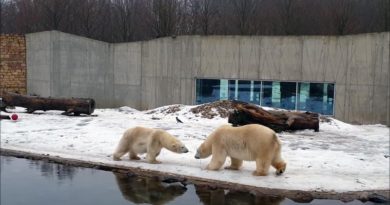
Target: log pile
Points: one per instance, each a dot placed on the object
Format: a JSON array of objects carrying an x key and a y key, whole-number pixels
[
  {"x": 245, "y": 113},
  {"x": 76, "y": 106}
]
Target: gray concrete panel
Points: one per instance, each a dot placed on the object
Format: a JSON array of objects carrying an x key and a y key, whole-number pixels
[
  {"x": 126, "y": 95},
  {"x": 334, "y": 59},
  {"x": 249, "y": 58},
  {"x": 187, "y": 91},
  {"x": 291, "y": 58},
  {"x": 380, "y": 104},
  {"x": 87, "y": 90},
  {"x": 127, "y": 64},
  {"x": 39, "y": 87},
  {"x": 220, "y": 57},
  {"x": 149, "y": 58},
  {"x": 281, "y": 58},
  {"x": 270, "y": 55},
  {"x": 39, "y": 63},
  {"x": 148, "y": 93},
  {"x": 165, "y": 50},
  {"x": 361, "y": 59},
  {"x": 382, "y": 59},
  {"x": 359, "y": 103},
  {"x": 341, "y": 96},
  {"x": 190, "y": 56},
  {"x": 313, "y": 60}
]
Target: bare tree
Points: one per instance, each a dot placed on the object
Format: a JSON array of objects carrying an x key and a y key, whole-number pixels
[
  {"x": 86, "y": 16},
  {"x": 287, "y": 10},
  {"x": 7, "y": 12},
  {"x": 26, "y": 20},
  {"x": 125, "y": 12},
  {"x": 385, "y": 10},
  {"x": 54, "y": 13},
  {"x": 164, "y": 17},
  {"x": 342, "y": 16},
  {"x": 132, "y": 20},
  {"x": 244, "y": 13},
  {"x": 203, "y": 12}
]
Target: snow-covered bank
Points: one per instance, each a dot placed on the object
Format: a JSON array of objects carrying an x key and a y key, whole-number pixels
[{"x": 341, "y": 157}]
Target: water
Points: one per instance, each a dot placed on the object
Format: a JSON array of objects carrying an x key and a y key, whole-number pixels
[{"x": 36, "y": 182}]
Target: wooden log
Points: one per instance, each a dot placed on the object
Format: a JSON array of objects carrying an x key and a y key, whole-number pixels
[
  {"x": 245, "y": 113},
  {"x": 76, "y": 106}
]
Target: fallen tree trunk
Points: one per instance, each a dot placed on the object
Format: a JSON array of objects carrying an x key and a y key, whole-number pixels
[
  {"x": 245, "y": 113},
  {"x": 76, "y": 106}
]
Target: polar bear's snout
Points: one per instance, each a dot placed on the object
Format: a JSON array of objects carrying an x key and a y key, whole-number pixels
[
  {"x": 197, "y": 155},
  {"x": 184, "y": 149}
]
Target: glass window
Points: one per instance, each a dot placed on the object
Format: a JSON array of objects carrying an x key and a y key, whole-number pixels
[
  {"x": 233, "y": 90},
  {"x": 207, "y": 90},
  {"x": 245, "y": 90},
  {"x": 255, "y": 92},
  {"x": 279, "y": 94},
  {"x": 267, "y": 94},
  {"x": 288, "y": 94},
  {"x": 224, "y": 91},
  {"x": 316, "y": 97}
]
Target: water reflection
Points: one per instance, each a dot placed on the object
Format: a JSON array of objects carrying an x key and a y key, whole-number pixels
[
  {"x": 50, "y": 169},
  {"x": 147, "y": 190},
  {"x": 209, "y": 196},
  {"x": 44, "y": 181}
]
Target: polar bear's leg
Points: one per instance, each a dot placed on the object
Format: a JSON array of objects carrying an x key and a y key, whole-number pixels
[
  {"x": 235, "y": 164},
  {"x": 262, "y": 167},
  {"x": 118, "y": 154},
  {"x": 121, "y": 150},
  {"x": 218, "y": 158},
  {"x": 151, "y": 156},
  {"x": 133, "y": 156}
]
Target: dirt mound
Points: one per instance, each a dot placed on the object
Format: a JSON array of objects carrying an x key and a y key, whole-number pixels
[
  {"x": 166, "y": 109},
  {"x": 213, "y": 109}
]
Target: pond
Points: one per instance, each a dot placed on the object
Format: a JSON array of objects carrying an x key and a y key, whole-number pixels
[{"x": 37, "y": 182}]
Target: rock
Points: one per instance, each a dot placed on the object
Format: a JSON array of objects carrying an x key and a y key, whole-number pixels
[
  {"x": 302, "y": 197},
  {"x": 376, "y": 198}
]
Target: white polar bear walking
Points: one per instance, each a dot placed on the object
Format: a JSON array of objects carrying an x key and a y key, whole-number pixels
[
  {"x": 139, "y": 140},
  {"x": 250, "y": 143}
]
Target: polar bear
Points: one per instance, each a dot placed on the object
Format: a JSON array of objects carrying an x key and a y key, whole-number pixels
[
  {"x": 139, "y": 140},
  {"x": 249, "y": 142}
]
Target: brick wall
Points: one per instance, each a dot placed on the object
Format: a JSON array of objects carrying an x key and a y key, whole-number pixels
[{"x": 13, "y": 63}]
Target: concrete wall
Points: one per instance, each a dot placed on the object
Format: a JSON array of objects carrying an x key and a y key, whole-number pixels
[
  {"x": 153, "y": 73},
  {"x": 64, "y": 65}
]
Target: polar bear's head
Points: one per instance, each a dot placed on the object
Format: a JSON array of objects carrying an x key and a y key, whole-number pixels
[
  {"x": 280, "y": 167},
  {"x": 203, "y": 151},
  {"x": 178, "y": 147}
]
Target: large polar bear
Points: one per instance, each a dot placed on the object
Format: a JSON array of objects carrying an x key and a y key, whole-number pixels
[
  {"x": 139, "y": 140},
  {"x": 250, "y": 143}
]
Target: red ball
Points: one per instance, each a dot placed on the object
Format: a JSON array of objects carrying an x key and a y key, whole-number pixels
[{"x": 14, "y": 117}]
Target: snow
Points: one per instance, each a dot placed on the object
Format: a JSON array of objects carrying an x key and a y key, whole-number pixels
[{"x": 341, "y": 157}]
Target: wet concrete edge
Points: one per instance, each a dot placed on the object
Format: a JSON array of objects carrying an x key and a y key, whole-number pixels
[{"x": 295, "y": 195}]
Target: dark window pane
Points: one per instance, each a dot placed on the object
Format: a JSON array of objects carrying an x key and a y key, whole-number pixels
[
  {"x": 329, "y": 100},
  {"x": 316, "y": 97},
  {"x": 207, "y": 90},
  {"x": 279, "y": 95},
  {"x": 255, "y": 93},
  {"x": 232, "y": 90},
  {"x": 288, "y": 95},
  {"x": 267, "y": 94},
  {"x": 244, "y": 90}
]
